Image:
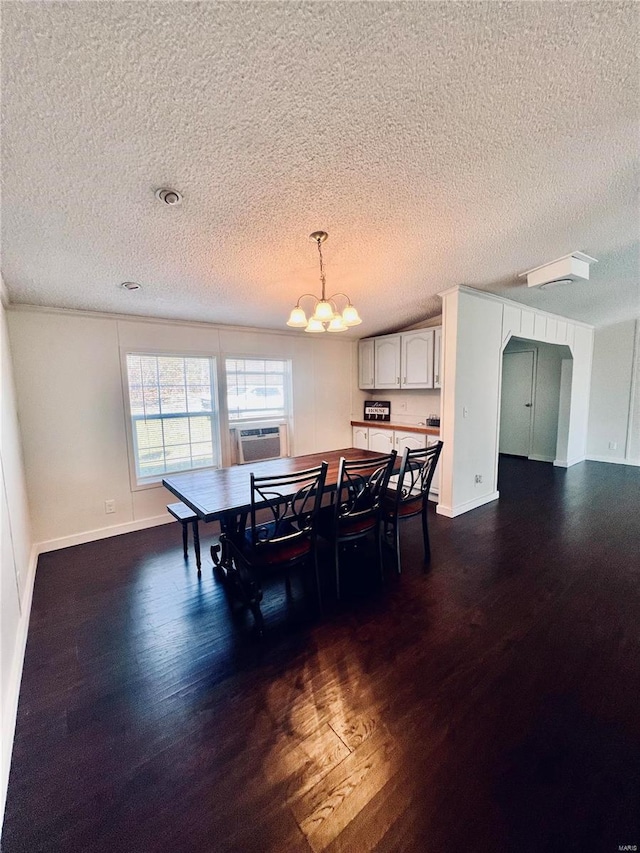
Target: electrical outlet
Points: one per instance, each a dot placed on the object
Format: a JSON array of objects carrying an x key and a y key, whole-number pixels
[
  {"x": 478, "y": 479},
  {"x": 465, "y": 412},
  {"x": 403, "y": 406},
  {"x": 613, "y": 445},
  {"x": 109, "y": 506}
]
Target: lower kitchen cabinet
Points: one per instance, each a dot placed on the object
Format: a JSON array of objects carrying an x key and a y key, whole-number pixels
[
  {"x": 435, "y": 483},
  {"x": 361, "y": 437},
  {"x": 383, "y": 440},
  {"x": 412, "y": 440}
]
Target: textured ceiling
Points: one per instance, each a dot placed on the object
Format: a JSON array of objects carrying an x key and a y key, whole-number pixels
[{"x": 437, "y": 143}]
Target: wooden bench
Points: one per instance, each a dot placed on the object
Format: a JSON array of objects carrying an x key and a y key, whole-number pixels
[{"x": 187, "y": 516}]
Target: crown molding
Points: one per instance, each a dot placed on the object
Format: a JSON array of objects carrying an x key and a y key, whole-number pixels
[
  {"x": 492, "y": 297},
  {"x": 20, "y": 307}
]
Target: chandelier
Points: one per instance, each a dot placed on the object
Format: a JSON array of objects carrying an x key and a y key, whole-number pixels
[{"x": 325, "y": 317}]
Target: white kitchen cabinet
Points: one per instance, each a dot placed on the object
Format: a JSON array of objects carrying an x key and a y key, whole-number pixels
[
  {"x": 412, "y": 440},
  {"x": 417, "y": 359},
  {"x": 387, "y": 361},
  {"x": 437, "y": 357},
  {"x": 406, "y": 360},
  {"x": 384, "y": 440},
  {"x": 366, "y": 377},
  {"x": 380, "y": 440},
  {"x": 361, "y": 437},
  {"x": 435, "y": 483}
]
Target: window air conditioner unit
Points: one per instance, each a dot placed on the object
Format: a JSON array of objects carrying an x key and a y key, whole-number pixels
[{"x": 253, "y": 444}]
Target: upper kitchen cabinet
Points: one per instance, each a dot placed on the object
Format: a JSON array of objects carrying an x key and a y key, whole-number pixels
[
  {"x": 387, "y": 361},
  {"x": 405, "y": 360},
  {"x": 417, "y": 359},
  {"x": 437, "y": 358},
  {"x": 366, "y": 377}
]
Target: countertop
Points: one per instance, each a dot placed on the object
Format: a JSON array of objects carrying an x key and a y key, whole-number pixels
[{"x": 423, "y": 430}]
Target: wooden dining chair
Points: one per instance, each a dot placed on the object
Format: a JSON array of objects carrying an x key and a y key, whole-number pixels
[
  {"x": 356, "y": 510},
  {"x": 281, "y": 533},
  {"x": 409, "y": 496}
]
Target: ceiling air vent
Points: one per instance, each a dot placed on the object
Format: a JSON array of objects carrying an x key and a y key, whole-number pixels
[{"x": 573, "y": 267}]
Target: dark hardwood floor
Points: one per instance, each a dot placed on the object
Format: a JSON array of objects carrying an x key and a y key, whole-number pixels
[{"x": 492, "y": 704}]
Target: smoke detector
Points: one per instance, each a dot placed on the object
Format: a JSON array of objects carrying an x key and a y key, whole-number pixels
[
  {"x": 170, "y": 197},
  {"x": 565, "y": 270}
]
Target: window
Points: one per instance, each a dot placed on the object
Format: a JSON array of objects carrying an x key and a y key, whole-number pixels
[
  {"x": 257, "y": 389},
  {"x": 173, "y": 414}
]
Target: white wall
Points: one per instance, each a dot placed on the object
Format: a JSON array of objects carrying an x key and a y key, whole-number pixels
[
  {"x": 614, "y": 411},
  {"x": 407, "y": 407},
  {"x": 72, "y": 409},
  {"x": 476, "y": 328},
  {"x": 17, "y": 569},
  {"x": 472, "y": 334}
]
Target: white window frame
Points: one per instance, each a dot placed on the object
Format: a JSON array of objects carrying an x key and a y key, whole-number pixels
[
  {"x": 257, "y": 418},
  {"x": 142, "y": 483}
]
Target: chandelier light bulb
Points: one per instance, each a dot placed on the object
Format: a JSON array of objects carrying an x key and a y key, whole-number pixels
[
  {"x": 350, "y": 316},
  {"x": 324, "y": 311},
  {"x": 297, "y": 318},
  {"x": 314, "y": 325},
  {"x": 337, "y": 324}
]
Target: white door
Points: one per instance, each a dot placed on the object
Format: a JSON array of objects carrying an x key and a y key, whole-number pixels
[
  {"x": 380, "y": 440},
  {"x": 516, "y": 403},
  {"x": 417, "y": 359},
  {"x": 387, "y": 361},
  {"x": 361, "y": 437}
]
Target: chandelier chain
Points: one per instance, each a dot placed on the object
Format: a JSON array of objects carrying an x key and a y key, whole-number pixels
[{"x": 322, "y": 278}]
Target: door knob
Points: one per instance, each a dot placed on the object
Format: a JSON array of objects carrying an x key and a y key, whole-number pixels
[{"x": 528, "y": 405}]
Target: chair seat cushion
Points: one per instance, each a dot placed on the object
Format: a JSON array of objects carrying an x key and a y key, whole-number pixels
[
  {"x": 357, "y": 525},
  {"x": 405, "y": 509},
  {"x": 289, "y": 544}
]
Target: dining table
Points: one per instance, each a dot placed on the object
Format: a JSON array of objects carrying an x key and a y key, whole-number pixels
[{"x": 224, "y": 495}]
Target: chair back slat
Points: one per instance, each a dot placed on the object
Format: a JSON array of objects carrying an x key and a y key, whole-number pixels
[
  {"x": 291, "y": 503},
  {"x": 361, "y": 486},
  {"x": 416, "y": 473}
]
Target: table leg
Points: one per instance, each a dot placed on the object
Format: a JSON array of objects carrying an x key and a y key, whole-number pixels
[
  {"x": 233, "y": 573},
  {"x": 231, "y": 526}
]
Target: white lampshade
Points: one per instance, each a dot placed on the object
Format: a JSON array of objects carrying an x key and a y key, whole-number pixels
[
  {"x": 314, "y": 326},
  {"x": 350, "y": 316},
  {"x": 323, "y": 312},
  {"x": 337, "y": 324},
  {"x": 297, "y": 318}
]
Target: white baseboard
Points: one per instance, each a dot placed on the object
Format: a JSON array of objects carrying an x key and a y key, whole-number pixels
[
  {"x": 613, "y": 461},
  {"x": 104, "y": 533},
  {"x": 460, "y": 509},
  {"x": 10, "y": 701},
  {"x": 536, "y": 457},
  {"x": 567, "y": 463}
]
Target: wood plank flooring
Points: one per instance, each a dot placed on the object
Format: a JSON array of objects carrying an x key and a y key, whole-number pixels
[{"x": 491, "y": 704}]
